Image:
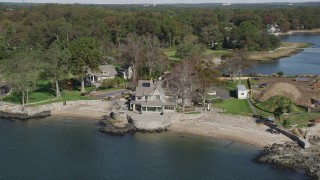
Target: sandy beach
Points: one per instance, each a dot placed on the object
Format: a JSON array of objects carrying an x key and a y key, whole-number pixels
[
  {"x": 237, "y": 128},
  {"x": 93, "y": 112},
  {"x": 211, "y": 124}
]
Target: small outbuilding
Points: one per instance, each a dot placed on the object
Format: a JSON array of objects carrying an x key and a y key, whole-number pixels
[{"x": 242, "y": 92}]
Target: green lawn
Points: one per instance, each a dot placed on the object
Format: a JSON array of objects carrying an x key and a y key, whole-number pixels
[
  {"x": 234, "y": 106},
  {"x": 171, "y": 54},
  {"x": 49, "y": 98},
  {"x": 215, "y": 53},
  {"x": 298, "y": 116}
]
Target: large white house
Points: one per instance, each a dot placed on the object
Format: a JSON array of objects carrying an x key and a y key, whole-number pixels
[
  {"x": 103, "y": 72},
  {"x": 150, "y": 97},
  {"x": 242, "y": 92}
]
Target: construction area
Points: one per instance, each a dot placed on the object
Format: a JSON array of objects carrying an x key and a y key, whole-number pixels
[{"x": 304, "y": 91}]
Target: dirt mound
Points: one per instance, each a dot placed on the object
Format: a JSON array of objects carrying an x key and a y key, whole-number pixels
[{"x": 283, "y": 89}]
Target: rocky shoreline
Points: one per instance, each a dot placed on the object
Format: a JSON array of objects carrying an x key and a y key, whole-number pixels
[
  {"x": 120, "y": 123},
  {"x": 291, "y": 156},
  {"x": 23, "y": 116}
]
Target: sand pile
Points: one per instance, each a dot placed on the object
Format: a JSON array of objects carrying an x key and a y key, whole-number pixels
[{"x": 283, "y": 89}]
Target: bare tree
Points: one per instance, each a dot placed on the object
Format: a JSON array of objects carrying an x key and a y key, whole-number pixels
[
  {"x": 152, "y": 52},
  {"x": 132, "y": 53},
  {"x": 180, "y": 81},
  {"x": 206, "y": 75},
  {"x": 235, "y": 63}
]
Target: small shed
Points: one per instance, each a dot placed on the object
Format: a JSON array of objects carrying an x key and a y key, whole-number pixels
[{"x": 242, "y": 92}]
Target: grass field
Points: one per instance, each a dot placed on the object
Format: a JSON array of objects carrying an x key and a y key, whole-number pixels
[
  {"x": 298, "y": 116},
  {"x": 234, "y": 106},
  {"x": 171, "y": 53},
  {"x": 46, "y": 97}
]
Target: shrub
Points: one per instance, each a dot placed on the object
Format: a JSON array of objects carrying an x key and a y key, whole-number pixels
[{"x": 286, "y": 123}]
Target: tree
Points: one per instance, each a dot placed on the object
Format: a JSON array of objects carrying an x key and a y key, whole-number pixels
[
  {"x": 57, "y": 60},
  {"x": 211, "y": 35},
  {"x": 235, "y": 63},
  {"x": 154, "y": 56},
  {"x": 132, "y": 53},
  {"x": 206, "y": 75},
  {"x": 279, "y": 105},
  {"x": 180, "y": 81},
  {"x": 85, "y": 53},
  {"x": 21, "y": 72},
  {"x": 190, "y": 48}
]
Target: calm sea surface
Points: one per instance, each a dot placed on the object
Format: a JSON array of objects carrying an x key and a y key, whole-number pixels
[
  {"x": 74, "y": 149},
  {"x": 306, "y": 62}
]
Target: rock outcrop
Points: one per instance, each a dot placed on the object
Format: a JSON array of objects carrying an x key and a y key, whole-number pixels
[
  {"x": 14, "y": 111},
  {"x": 290, "y": 155},
  {"x": 150, "y": 125},
  {"x": 24, "y": 116},
  {"x": 116, "y": 124},
  {"x": 121, "y": 123}
]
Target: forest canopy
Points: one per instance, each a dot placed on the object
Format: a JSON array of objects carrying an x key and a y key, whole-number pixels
[{"x": 37, "y": 26}]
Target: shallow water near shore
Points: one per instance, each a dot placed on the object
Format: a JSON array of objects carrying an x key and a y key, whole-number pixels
[
  {"x": 66, "y": 148},
  {"x": 305, "y": 62}
]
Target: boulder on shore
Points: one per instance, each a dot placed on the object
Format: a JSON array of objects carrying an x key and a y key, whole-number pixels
[
  {"x": 116, "y": 124},
  {"x": 292, "y": 156}
]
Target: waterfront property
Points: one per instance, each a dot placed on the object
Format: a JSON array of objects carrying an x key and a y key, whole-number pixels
[
  {"x": 151, "y": 97},
  {"x": 242, "y": 92},
  {"x": 103, "y": 72}
]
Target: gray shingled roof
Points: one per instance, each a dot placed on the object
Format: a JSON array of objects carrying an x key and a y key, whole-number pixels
[
  {"x": 144, "y": 91},
  {"x": 241, "y": 87},
  {"x": 104, "y": 68}
]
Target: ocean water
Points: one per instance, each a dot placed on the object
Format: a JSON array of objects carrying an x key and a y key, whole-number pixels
[
  {"x": 305, "y": 62},
  {"x": 65, "y": 148}
]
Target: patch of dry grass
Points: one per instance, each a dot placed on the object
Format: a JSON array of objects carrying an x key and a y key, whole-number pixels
[{"x": 285, "y": 50}]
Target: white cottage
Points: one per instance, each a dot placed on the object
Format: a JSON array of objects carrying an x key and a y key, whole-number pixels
[
  {"x": 150, "y": 97},
  {"x": 242, "y": 92}
]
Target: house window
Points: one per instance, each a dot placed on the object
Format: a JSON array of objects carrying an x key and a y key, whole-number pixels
[
  {"x": 139, "y": 98},
  {"x": 152, "y": 108},
  {"x": 242, "y": 94},
  {"x": 146, "y": 85},
  {"x": 169, "y": 107},
  {"x": 145, "y": 97},
  {"x": 157, "y": 96},
  {"x": 105, "y": 72}
]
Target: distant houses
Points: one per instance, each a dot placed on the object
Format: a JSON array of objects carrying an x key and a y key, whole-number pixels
[
  {"x": 273, "y": 28},
  {"x": 150, "y": 97},
  {"x": 242, "y": 92},
  {"x": 103, "y": 72}
]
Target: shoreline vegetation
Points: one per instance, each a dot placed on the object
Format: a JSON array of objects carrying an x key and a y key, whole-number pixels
[{"x": 286, "y": 49}]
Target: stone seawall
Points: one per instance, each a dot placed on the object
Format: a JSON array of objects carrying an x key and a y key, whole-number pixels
[
  {"x": 301, "y": 142},
  {"x": 16, "y": 111}
]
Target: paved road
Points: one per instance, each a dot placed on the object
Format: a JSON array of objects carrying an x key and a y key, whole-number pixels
[{"x": 223, "y": 94}]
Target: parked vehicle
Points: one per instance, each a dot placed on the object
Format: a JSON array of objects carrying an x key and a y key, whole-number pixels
[{"x": 212, "y": 93}]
